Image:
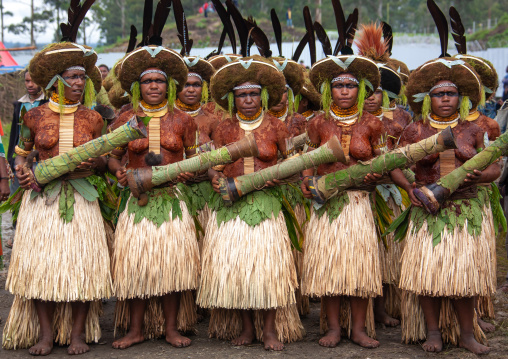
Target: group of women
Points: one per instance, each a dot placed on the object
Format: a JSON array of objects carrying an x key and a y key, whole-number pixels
[{"x": 243, "y": 271}]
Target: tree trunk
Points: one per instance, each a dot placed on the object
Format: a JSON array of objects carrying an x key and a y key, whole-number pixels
[
  {"x": 2, "y": 20},
  {"x": 121, "y": 5},
  {"x": 318, "y": 11},
  {"x": 32, "y": 40}
]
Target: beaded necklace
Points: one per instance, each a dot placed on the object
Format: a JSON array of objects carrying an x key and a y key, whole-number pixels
[
  {"x": 245, "y": 119},
  {"x": 346, "y": 116},
  {"x": 187, "y": 108},
  {"x": 153, "y": 108},
  {"x": 281, "y": 115},
  {"x": 443, "y": 122},
  {"x": 67, "y": 103},
  {"x": 309, "y": 114}
]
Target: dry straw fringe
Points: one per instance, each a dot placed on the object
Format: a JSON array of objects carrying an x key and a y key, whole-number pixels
[
  {"x": 203, "y": 217},
  {"x": 226, "y": 324},
  {"x": 302, "y": 301},
  {"x": 345, "y": 318},
  {"x": 247, "y": 267},
  {"x": 342, "y": 257},
  {"x": 109, "y": 229},
  {"x": 459, "y": 266},
  {"x": 485, "y": 305},
  {"x": 154, "y": 324},
  {"x": 57, "y": 261},
  {"x": 151, "y": 261},
  {"x": 22, "y": 328},
  {"x": 413, "y": 322}
]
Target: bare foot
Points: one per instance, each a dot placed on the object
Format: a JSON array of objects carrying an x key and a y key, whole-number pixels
[
  {"x": 43, "y": 347},
  {"x": 362, "y": 339},
  {"x": 331, "y": 339},
  {"x": 486, "y": 326},
  {"x": 130, "y": 339},
  {"x": 383, "y": 317},
  {"x": 469, "y": 342},
  {"x": 77, "y": 346},
  {"x": 434, "y": 342},
  {"x": 271, "y": 342},
  {"x": 177, "y": 340},
  {"x": 246, "y": 337}
]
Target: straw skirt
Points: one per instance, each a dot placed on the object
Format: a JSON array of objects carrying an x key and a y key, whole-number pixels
[
  {"x": 247, "y": 267},
  {"x": 59, "y": 262},
  {"x": 152, "y": 261},
  {"x": 342, "y": 257}
]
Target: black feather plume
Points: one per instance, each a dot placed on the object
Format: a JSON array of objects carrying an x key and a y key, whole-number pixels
[
  {"x": 261, "y": 41},
  {"x": 181, "y": 26},
  {"x": 340, "y": 21},
  {"x": 458, "y": 31},
  {"x": 241, "y": 27},
  {"x": 442, "y": 26},
  {"x": 301, "y": 45},
  {"x": 132, "y": 39},
  {"x": 323, "y": 38},
  {"x": 277, "y": 30},
  {"x": 161, "y": 15},
  {"x": 388, "y": 37},
  {"x": 76, "y": 13},
  {"x": 147, "y": 22},
  {"x": 350, "y": 31},
  {"x": 310, "y": 30},
  {"x": 228, "y": 26}
]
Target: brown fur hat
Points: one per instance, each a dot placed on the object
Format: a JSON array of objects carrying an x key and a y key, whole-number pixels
[
  {"x": 401, "y": 69},
  {"x": 309, "y": 91},
  {"x": 58, "y": 57},
  {"x": 255, "y": 69},
  {"x": 199, "y": 66},
  {"x": 293, "y": 72},
  {"x": 117, "y": 96},
  {"x": 358, "y": 66},
  {"x": 390, "y": 80},
  {"x": 487, "y": 72},
  {"x": 157, "y": 57},
  {"x": 96, "y": 78},
  {"x": 446, "y": 68},
  {"x": 218, "y": 61}
]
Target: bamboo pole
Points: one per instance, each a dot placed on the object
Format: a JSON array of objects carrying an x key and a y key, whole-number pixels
[
  {"x": 234, "y": 188},
  {"x": 47, "y": 170},
  {"x": 324, "y": 187}
]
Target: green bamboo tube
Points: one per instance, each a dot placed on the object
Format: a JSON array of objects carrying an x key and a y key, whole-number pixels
[
  {"x": 432, "y": 196},
  {"x": 323, "y": 187},
  {"x": 141, "y": 180},
  {"x": 234, "y": 188},
  {"x": 47, "y": 170}
]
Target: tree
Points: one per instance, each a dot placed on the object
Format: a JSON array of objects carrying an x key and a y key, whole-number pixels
[{"x": 2, "y": 14}]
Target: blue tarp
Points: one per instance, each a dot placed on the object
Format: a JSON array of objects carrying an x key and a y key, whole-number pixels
[{"x": 7, "y": 69}]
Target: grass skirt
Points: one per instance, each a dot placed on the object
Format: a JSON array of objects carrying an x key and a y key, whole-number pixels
[
  {"x": 21, "y": 330},
  {"x": 485, "y": 306},
  {"x": 57, "y": 261},
  {"x": 302, "y": 301},
  {"x": 414, "y": 328},
  {"x": 342, "y": 257},
  {"x": 247, "y": 267},
  {"x": 459, "y": 266},
  {"x": 226, "y": 324},
  {"x": 154, "y": 322},
  {"x": 151, "y": 261}
]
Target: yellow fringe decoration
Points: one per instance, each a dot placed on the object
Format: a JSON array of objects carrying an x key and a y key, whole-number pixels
[
  {"x": 426, "y": 107},
  {"x": 326, "y": 97},
  {"x": 204, "y": 93},
  {"x": 89, "y": 93},
  {"x": 136, "y": 95},
  {"x": 464, "y": 108},
  {"x": 172, "y": 94},
  {"x": 362, "y": 95}
]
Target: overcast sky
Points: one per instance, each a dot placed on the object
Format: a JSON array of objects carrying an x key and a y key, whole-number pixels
[{"x": 21, "y": 9}]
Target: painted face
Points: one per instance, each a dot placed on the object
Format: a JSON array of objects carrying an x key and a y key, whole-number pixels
[
  {"x": 191, "y": 93},
  {"x": 283, "y": 103},
  {"x": 104, "y": 71},
  {"x": 153, "y": 88},
  {"x": 30, "y": 86},
  {"x": 248, "y": 101},
  {"x": 444, "y": 100},
  {"x": 76, "y": 80},
  {"x": 345, "y": 92},
  {"x": 374, "y": 102}
]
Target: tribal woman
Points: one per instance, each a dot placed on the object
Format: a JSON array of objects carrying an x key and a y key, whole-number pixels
[
  {"x": 333, "y": 235},
  {"x": 309, "y": 104},
  {"x": 59, "y": 267},
  {"x": 447, "y": 258},
  {"x": 247, "y": 261},
  {"x": 156, "y": 257}
]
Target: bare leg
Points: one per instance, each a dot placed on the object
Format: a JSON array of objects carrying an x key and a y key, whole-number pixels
[
  {"x": 431, "y": 307},
  {"x": 380, "y": 314},
  {"x": 486, "y": 327},
  {"x": 171, "y": 305},
  {"x": 465, "y": 313},
  {"x": 79, "y": 314},
  {"x": 45, "y": 311},
  {"x": 269, "y": 332},
  {"x": 359, "y": 313},
  {"x": 248, "y": 331},
  {"x": 332, "y": 308},
  {"x": 135, "y": 333}
]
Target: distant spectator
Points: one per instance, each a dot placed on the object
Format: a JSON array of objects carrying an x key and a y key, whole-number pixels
[
  {"x": 210, "y": 7},
  {"x": 104, "y": 71},
  {"x": 505, "y": 86},
  {"x": 289, "y": 20},
  {"x": 205, "y": 9},
  {"x": 302, "y": 63}
]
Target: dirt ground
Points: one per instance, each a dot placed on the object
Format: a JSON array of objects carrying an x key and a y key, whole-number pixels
[{"x": 203, "y": 347}]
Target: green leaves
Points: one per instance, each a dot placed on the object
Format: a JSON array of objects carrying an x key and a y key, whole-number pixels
[
  {"x": 85, "y": 189},
  {"x": 66, "y": 202},
  {"x": 161, "y": 202},
  {"x": 399, "y": 226}
]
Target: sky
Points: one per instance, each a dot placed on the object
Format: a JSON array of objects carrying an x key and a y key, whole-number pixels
[{"x": 21, "y": 9}]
